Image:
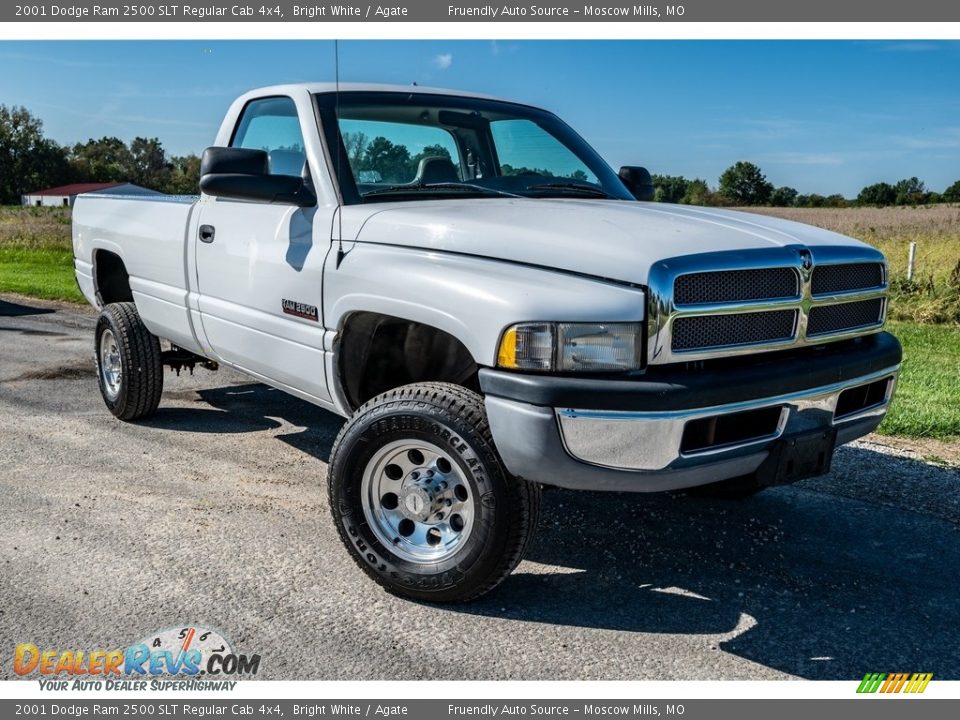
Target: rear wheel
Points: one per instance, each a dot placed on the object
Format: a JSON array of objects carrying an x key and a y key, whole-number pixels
[
  {"x": 421, "y": 498},
  {"x": 129, "y": 370}
]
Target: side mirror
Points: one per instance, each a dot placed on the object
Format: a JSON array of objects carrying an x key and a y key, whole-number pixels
[
  {"x": 638, "y": 181},
  {"x": 243, "y": 174}
]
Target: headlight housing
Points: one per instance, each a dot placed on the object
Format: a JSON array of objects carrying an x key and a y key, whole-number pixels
[{"x": 571, "y": 347}]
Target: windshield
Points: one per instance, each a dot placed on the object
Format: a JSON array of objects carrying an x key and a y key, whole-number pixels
[{"x": 414, "y": 146}]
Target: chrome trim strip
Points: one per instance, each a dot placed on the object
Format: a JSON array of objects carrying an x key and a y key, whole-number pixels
[
  {"x": 662, "y": 311},
  {"x": 634, "y": 440}
]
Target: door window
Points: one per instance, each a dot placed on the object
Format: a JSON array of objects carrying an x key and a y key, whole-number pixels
[{"x": 272, "y": 125}]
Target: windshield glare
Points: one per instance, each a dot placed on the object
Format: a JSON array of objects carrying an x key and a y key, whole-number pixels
[{"x": 410, "y": 146}]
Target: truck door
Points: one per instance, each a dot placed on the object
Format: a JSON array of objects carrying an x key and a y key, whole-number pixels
[{"x": 260, "y": 266}]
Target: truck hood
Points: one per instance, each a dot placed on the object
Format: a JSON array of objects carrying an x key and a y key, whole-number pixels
[{"x": 611, "y": 239}]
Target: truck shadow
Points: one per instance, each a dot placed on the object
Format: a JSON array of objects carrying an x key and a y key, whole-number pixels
[
  {"x": 250, "y": 407},
  {"x": 796, "y": 579},
  {"x": 15, "y": 309}
]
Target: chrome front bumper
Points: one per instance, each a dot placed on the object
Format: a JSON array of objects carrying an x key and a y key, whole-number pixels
[
  {"x": 652, "y": 441},
  {"x": 679, "y": 428}
]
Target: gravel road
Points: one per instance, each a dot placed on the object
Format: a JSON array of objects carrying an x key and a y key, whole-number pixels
[{"x": 214, "y": 512}]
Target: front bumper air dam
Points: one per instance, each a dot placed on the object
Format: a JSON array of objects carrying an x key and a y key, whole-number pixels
[{"x": 627, "y": 435}]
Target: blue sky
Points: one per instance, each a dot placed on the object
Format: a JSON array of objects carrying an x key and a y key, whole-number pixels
[{"x": 821, "y": 116}]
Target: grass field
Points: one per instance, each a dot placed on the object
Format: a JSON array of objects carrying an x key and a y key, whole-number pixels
[
  {"x": 36, "y": 255},
  {"x": 36, "y": 259},
  {"x": 934, "y": 294},
  {"x": 927, "y": 400}
]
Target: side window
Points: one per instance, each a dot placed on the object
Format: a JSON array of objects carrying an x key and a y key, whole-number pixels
[
  {"x": 395, "y": 153},
  {"x": 525, "y": 148},
  {"x": 272, "y": 124}
]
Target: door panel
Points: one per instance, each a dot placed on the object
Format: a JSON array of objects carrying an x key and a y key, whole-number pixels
[{"x": 260, "y": 282}]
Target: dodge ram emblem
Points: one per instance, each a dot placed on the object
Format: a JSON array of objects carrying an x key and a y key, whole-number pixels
[{"x": 806, "y": 260}]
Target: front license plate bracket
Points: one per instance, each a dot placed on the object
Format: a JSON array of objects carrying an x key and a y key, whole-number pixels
[{"x": 797, "y": 457}]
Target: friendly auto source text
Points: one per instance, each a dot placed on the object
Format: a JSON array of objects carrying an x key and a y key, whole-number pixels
[{"x": 494, "y": 11}]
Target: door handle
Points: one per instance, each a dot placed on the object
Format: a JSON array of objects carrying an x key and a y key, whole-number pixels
[{"x": 206, "y": 233}]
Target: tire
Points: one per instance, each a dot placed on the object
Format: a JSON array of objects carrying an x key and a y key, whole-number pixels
[
  {"x": 736, "y": 488},
  {"x": 129, "y": 370},
  {"x": 422, "y": 499}
]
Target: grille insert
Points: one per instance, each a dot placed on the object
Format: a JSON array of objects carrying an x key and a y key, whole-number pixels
[
  {"x": 711, "y": 331},
  {"x": 736, "y": 286},
  {"x": 830, "y": 279},
  {"x": 845, "y": 316}
]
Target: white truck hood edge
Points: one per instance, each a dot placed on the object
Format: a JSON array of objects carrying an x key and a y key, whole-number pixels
[{"x": 612, "y": 239}]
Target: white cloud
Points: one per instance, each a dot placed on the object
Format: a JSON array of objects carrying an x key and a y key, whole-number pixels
[{"x": 443, "y": 61}]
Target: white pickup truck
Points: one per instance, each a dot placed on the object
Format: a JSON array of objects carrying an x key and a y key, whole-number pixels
[{"x": 493, "y": 309}]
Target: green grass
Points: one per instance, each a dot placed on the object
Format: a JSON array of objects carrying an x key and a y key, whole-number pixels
[
  {"x": 36, "y": 259},
  {"x": 927, "y": 400},
  {"x": 39, "y": 272},
  {"x": 36, "y": 254}
]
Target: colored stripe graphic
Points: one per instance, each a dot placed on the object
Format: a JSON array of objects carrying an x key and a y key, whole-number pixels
[{"x": 894, "y": 683}]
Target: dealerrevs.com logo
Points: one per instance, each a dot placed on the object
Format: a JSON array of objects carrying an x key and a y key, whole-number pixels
[{"x": 184, "y": 658}]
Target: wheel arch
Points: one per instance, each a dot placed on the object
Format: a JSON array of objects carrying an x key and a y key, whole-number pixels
[
  {"x": 376, "y": 352},
  {"x": 111, "y": 281}
]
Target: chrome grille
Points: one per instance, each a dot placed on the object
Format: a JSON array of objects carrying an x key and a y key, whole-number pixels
[
  {"x": 736, "y": 286},
  {"x": 832, "y": 279},
  {"x": 717, "y": 304},
  {"x": 715, "y": 331},
  {"x": 827, "y": 319}
]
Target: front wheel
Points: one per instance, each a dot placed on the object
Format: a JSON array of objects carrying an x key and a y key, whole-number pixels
[{"x": 421, "y": 498}]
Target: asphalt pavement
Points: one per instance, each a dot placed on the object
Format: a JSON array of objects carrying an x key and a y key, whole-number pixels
[{"x": 214, "y": 513}]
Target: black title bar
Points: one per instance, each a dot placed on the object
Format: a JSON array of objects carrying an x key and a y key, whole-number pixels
[{"x": 445, "y": 11}]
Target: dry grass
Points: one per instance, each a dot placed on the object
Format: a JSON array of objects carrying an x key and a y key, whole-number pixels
[
  {"x": 934, "y": 295},
  {"x": 30, "y": 228}
]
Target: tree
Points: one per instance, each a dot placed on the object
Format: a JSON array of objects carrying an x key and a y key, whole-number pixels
[
  {"x": 811, "y": 201},
  {"x": 390, "y": 160},
  {"x": 784, "y": 197},
  {"x": 28, "y": 161},
  {"x": 910, "y": 191},
  {"x": 150, "y": 167},
  {"x": 744, "y": 184},
  {"x": 105, "y": 160},
  {"x": 879, "y": 194},
  {"x": 356, "y": 145},
  {"x": 835, "y": 201},
  {"x": 697, "y": 193},
  {"x": 952, "y": 193},
  {"x": 184, "y": 175},
  {"x": 669, "y": 188}
]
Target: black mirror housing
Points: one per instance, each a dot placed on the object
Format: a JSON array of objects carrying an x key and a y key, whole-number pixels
[
  {"x": 638, "y": 181},
  {"x": 244, "y": 174}
]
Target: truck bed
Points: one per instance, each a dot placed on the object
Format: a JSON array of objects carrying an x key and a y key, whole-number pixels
[{"x": 149, "y": 235}]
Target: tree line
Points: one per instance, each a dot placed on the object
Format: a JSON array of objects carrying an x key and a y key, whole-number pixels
[
  {"x": 30, "y": 161},
  {"x": 744, "y": 184}
]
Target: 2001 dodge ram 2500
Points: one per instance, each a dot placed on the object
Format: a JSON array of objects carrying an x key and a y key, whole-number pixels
[{"x": 494, "y": 309}]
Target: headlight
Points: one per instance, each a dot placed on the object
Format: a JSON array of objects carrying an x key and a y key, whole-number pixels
[{"x": 571, "y": 347}]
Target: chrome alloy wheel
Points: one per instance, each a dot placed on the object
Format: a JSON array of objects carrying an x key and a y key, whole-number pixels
[
  {"x": 111, "y": 368},
  {"x": 417, "y": 501}
]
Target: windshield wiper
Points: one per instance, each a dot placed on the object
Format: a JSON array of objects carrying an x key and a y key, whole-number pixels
[
  {"x": 462, "y": 187},
  {"x": 578, "y": 188}
]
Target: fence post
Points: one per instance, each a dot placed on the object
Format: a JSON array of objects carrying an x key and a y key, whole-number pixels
[{"x": 911, "y": 261}]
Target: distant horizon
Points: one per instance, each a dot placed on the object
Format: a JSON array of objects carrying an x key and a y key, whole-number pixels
[{"x": 824, "y": 117}]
